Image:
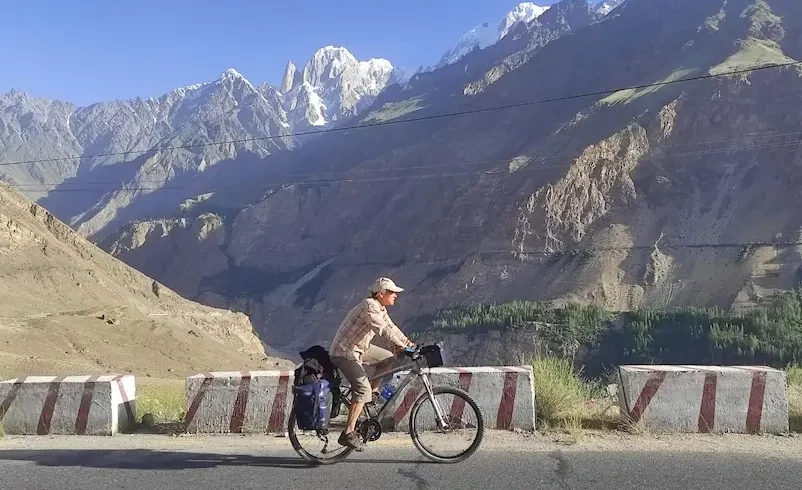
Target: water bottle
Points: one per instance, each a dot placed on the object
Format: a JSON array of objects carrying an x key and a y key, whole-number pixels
[{"x": 388, "y": 390}]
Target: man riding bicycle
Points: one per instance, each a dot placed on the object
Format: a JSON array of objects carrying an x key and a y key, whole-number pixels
[{"x": 351, "y": 349}]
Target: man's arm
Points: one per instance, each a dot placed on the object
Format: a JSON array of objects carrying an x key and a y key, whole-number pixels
[
  {"x": 405, "y": 342},
  {"x": 380, "y": 322}
]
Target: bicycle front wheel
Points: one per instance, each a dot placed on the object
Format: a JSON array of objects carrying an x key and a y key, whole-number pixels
[{"x": 464, "y": 425}]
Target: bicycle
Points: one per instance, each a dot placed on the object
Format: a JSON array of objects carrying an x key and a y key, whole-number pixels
[{"x": 448, "y": 418}]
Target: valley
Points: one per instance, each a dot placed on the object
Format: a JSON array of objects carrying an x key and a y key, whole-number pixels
[{"x": 629, "y": 156}]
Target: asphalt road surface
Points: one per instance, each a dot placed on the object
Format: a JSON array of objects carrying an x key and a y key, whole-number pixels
[{"x": 506, "y": 461}]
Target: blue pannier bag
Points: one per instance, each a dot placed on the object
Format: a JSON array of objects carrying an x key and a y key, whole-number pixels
[{"x": 311, "y": 405}]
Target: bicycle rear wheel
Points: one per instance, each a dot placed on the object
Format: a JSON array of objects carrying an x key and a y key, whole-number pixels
[
  {"x": 464, "y": 425},
  {"x": 315, "y": 448}
]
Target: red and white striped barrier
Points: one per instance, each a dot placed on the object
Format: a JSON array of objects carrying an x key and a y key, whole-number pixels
[
  {"x": 260, "y": 401},
  {"x": 505, "y": 395},
  {"x": 239, "y": 402},
  {"x": 739, "y": 399},
  {"x": 78, "y": 405}
]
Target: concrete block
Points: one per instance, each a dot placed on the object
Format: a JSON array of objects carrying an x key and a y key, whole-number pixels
[
  {"x": 505, "y": 395},
  {"x": 76, "y": 405},
  {"x": 239, "y": 402},
  {"x": 737, "y": 399},
  {"x": 260, "y": 401}
]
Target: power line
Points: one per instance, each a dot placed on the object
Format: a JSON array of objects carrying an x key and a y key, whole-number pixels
[
  {"x": 321, "y": 182},
  {"x": 312, "y": 174},
  {"x": 414, "y": 119},
  {"x": 568, "y": 253},
  {"x": 528, "y": 167},
  {"x": 528, "y": 160}
]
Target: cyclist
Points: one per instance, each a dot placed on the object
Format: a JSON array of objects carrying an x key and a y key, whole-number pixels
[{"x": 351, "y": 349}]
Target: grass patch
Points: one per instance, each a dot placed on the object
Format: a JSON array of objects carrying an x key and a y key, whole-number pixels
[
  {"x": 752, "y": 53},
  {"x": 566, "y": 401},
  {"x": 795, "y": 399},
  {"x": 394, "y": 110},
  {"x": 164, "y": 401},
  {"x": 631, "y": 95}
]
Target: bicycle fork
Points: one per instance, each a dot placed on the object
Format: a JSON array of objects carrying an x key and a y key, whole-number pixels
[{"x": 437, "y": 410}]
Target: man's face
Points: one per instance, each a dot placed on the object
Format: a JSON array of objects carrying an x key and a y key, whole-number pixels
[{"x": 387, "y": 298}]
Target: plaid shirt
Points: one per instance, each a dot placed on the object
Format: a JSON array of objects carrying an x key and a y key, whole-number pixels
[{"x": 361, "y": 324}]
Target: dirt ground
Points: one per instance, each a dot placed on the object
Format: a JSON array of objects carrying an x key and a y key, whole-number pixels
[{"x": 606, "y": 441}]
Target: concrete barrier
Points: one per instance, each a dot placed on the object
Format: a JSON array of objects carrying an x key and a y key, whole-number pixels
[
  {"x": 77, "y": 405},
  {"x": 239, "y": 402},
  {"x": 260, "y": 401},
  {"x": 505, "y": 395},
  {"x": 739, "y": 399}
]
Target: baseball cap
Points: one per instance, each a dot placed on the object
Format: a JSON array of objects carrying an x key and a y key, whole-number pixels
[{"x": 383, "y": 283}]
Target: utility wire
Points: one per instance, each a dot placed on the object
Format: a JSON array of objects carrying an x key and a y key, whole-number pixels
[
  {"x": 530, "y": 165},
  {"x": 568, "y": 253},
  {"x": 415, "y": 119}
]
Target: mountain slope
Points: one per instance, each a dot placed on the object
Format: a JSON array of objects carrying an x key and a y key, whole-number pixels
[
  {"x": 98, "y": 193},
  {"x": 525, "y": 17},
  {"x": 227, "y": 108},
  {"x": 68, "y": 307},
  {"x": 487, "y": 34},
  {"x": 637, "y": 198}
]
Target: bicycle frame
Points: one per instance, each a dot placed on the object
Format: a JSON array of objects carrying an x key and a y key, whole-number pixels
[{"x": 415, "y": 371}]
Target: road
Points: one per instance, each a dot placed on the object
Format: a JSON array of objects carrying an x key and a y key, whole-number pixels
[{"x": 506, "y": 461}]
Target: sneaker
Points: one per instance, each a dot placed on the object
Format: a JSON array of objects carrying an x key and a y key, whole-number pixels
[{"x": 352, "y": 439}]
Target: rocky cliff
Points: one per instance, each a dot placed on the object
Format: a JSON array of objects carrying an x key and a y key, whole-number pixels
[{"x": 666, "y": 194}]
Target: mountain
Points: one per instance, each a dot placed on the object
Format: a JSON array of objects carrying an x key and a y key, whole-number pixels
[
  {"x": 39, "y": 129},
  {"x": 605, "y": 7},
  {"x": 667, "y": 195},
  {"x": 68, "y": 307},
  {"x": 526, "y": 14},
  {"x": 487, "y": 34},
  {"x": 97, "y": 193},
  {"x": 561, "y": 19},
  {"x": 332, "y": 86}
]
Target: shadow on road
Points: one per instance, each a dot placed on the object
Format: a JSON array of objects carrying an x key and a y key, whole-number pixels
[{"x": 144, "y": 459}]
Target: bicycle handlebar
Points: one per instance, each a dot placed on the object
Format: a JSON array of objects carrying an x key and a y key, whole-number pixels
[{"x": 415, "y": 352}]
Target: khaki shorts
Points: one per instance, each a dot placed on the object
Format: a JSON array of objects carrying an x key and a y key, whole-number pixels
[{"x": 354, "y": 371}]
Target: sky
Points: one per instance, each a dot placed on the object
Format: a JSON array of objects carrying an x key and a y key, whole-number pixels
[{"x": 87, "y": 51}]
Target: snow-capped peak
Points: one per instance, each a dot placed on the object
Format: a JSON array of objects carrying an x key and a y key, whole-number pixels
[
  {"x": 376, "y": 73},
  {"x": 332, "y": 85},
  {"x": 15, "y": 94},
  {"x": 486, "y": 34},
  {"x": 232, "y": 75},
  {"x": 377, "y": 64},
  {"x": 328, "y": 63},
  {"x": 328, "y": 53},
  {"x": 523, "y": 12},
  {"x": 288, "y": 80},
  {"x": 605, "y": 7}
]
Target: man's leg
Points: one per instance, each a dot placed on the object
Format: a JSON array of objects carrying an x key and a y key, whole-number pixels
[
  {"x": 381, "y": 360},
  {"x": 360, "y": 387},
  {"x": 381, "y": 367},
  {"x": 353, "y": 414}
]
